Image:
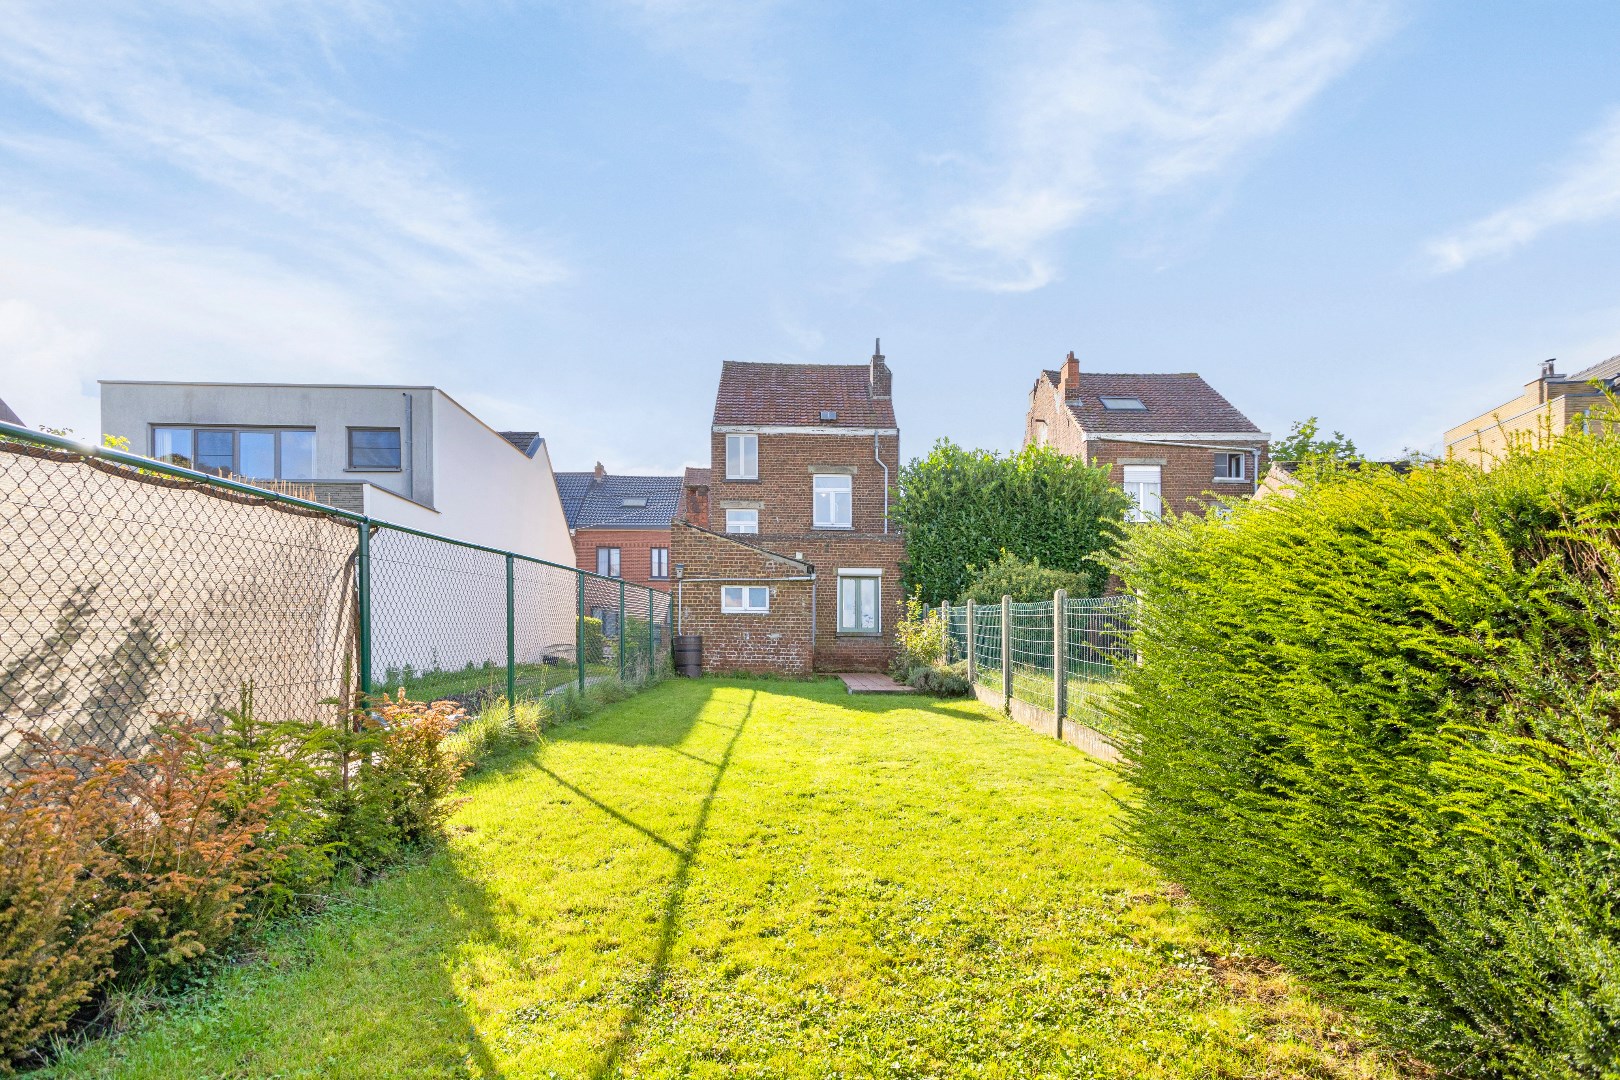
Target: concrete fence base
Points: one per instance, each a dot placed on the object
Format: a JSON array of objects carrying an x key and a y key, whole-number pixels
[{"x": 1045, "y": 722}]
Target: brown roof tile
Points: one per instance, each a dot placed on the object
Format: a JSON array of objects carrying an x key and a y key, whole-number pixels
[
  {"x": 1181, "y": 403},
  {"x": 797, "y": 394}
]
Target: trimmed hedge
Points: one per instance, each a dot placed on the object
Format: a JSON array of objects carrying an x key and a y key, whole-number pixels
[{"x": 1376, "y": 727}]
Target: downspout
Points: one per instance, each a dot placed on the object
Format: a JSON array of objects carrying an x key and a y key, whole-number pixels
[
  {"x": 878, "y": 457},
  {"x": 410, "y": 447}
]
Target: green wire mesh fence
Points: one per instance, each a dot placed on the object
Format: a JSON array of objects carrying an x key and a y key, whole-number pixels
[
  {"x": 132, "y": 591},
  {"x": 986, "y": 636}
]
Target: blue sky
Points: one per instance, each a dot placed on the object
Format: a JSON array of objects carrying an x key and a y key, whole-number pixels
[{"x": 1383, "y": 213}]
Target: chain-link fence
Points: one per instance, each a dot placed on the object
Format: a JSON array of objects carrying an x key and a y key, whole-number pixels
[
  {"x": 1064, "y": 663},
  {"x": 131, "y": 590}
]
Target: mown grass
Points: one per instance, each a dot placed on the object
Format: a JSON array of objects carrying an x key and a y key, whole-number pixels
[
  {"x": 533, "y": 680},
  {"x": 764, "y": 879}
]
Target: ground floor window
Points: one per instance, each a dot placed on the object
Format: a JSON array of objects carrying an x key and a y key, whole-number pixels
[
  {"x": 1142, "y": 484},
  {"x": 745, "y": 599},
  {"x": 859, "y": 593}
]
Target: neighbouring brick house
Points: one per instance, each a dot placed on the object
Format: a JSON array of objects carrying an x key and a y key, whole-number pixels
[
  {"x": 784, "y": 556},
  {"x": 620, "y": 524},
  {"x": 1170, "y": 440}
]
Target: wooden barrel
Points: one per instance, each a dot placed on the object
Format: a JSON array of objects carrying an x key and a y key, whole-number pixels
[{"x": 689, "y": 655}]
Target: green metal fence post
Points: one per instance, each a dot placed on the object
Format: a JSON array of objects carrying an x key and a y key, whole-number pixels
[
  {"x": 362, "y": 589},
  {"x": 621, "y": 629},
  {"x": 579, "y": 644},
  {"x": 511, "y": 640},
  {"x": 652, "y": 638},
  {"x": 1060, "y": 657}
]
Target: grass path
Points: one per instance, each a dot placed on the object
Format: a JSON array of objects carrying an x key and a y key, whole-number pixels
[{"x": 759, "y": 879}]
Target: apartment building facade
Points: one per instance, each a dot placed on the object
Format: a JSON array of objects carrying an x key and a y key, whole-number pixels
[{"x": 1551, "y": 404}]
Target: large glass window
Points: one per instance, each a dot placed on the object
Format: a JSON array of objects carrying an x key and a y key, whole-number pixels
[
  {"x": 253, "y": 453},
  {"x": 742, "y": 521},
  {"x": 1142, "y": 485},
  {"x": 858, "y": 597},
  {"x": 660, "y": 563},
  {"x": 745, "y": 599},
  {"x": 607, "y": 561},
  {"x": 374, "y": 449},
  {"x": 742, "y": 457},
  {"x": 832, "y": 500}
]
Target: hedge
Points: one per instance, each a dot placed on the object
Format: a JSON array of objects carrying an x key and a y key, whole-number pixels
[{"x": 1376, "y": 728}]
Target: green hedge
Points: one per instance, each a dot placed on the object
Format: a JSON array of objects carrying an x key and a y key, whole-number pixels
[{"x": 1376, "y": 727}]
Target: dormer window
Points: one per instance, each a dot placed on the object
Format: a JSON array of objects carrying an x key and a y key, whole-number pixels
[
  {"x": 742, "y": 457},
  {"x": 1122, "y": 404}
]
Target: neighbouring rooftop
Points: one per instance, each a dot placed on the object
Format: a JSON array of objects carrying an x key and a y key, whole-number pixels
[
  {"x": 1180, "y": 403},
  {"x": 800, "y": 395},
  {"x": 599, "y": 499}
]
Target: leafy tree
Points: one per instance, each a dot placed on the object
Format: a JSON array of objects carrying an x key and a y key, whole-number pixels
[
  {"x": 1305, "y": 443},
  {"x": 963, "y": 508},
  {"x": 1025, "y": 580}
]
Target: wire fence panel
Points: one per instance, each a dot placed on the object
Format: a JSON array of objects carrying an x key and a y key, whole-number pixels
[
  {"x": 956, "y": 634},
  {"x": 1032, "y": 655},
  {"x": 987, "y": 646},
  {"x": 126, "y": 594},
  {"x": 1098, "y": 634},
  {"x": 132, "y": 592}
]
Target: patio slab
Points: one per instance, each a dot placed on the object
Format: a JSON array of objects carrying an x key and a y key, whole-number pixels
[{"x": 865, "y": 682}]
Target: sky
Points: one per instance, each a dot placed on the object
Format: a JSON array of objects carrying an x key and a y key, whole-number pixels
[{"x": 1383, "y": 213}]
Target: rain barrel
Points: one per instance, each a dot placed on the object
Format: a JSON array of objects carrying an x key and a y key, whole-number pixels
[{"x": 689, "y": 655}]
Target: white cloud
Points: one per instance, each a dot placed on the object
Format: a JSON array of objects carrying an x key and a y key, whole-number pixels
[
  {"x": 1099, "y": 107},
  {"x": 1586, "y": 189}
]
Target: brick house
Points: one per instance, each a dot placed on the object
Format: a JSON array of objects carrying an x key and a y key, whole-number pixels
[
  {"x": 1169, "y": 440},
  {"x": 784, "y": 556},
  {"x": 1550, "y": 404},
  {"x": 620, "y": 524}
]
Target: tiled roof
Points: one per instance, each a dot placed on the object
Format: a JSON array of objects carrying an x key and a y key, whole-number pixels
[
  {"x": 1176, "y": 404},
  {"x": 589, "y": 502},
  {"x": 526, "y": 441},
  {"x": 798, "y": 394},
  {"x": 1607, "y": 369}
]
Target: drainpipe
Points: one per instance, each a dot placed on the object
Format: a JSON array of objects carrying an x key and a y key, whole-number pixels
[
  {"x": 878, "y": 457},
  {"x": 410, "y": 448}
]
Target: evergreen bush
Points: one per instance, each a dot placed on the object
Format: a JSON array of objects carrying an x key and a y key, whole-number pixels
[{"x": 1376, "y": 727}]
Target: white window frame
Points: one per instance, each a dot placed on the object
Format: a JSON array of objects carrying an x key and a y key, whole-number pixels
[
  {"x": 1145, "y": 485},
  {"x": 1227, "y": 457},
  {"x": 658, "y": 563},
  {"x": 745, "y": 599},
  {"x": 850, "y": 577},
  {"x": 613, "y": 557},
  {"x": 1042, "y": 436},
  {"x": 742, "y": 457},
  {"x": 737, "y": 529},
  {"x": 834, "y": 484}
]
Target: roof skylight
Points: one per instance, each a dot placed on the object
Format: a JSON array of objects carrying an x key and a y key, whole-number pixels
[
  {"x": 829, "y": 414},
  {"x": 635, "y": 500},
  {"x": 1121, "y": 403}
]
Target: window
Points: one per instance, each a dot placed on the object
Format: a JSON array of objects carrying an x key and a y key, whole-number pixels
[
  {"x": 1229, "y": 466},
  {"x": 633, "y": 501},
  {"x": 1142, "y": 485},
  {"x": 858, "y": 593},
  {"x": 1040, "y": 433},
  {"x": 1118, "y": 403},
  {"x": 607, "y": 561},
  {"x": 660, "y": 563},
  {"x": 253, "y": 453},
  {"x": 829, "y": 414},
  {"x": 745, "y": 599},
  {"x": 374, "y": 449},
  {"x": 742, "y": 521},
  {"x": 832, "y": 502},
  {"x": 742, "y": 457}
]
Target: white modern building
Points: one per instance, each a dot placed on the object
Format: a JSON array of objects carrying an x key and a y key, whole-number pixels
[{"x": 410, "y": 455}]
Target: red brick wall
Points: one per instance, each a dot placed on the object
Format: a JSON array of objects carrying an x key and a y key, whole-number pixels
[
  {"x": 635, "y": 553},
  {"x": 785, "y": 492},
  {"x": 778, "y": 642}
]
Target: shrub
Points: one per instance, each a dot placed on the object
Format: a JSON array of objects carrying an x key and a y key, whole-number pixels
[
  {"x": 1026, "y": 581},
  {"x": 943, "y": 680},
  {"x": 919, "y": 638},
  {"x": 61, "y": 914},
  {"x": 414, "y": 771},
  {"x": 964, "y": 507},
  {"x": 1374, "y": 727}
]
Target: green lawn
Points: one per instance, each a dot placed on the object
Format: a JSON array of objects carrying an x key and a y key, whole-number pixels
[
  {"x": 533, "y": 680},
  {"x": 760, "y": 879}
]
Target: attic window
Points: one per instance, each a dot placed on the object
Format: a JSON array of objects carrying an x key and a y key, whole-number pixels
[
  {"x": 829, "y": 414},
  {"x": 638, "y": 500},
  {"x": 1121, "y": 403}
]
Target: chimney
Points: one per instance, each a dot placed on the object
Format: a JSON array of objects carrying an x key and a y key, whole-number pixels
[
  {"x": 600, "y": 473},
  {"x": 1547, "y": 369},
  {"x": 1069, "y": 377},
  {"x": 882, "y": 380}
]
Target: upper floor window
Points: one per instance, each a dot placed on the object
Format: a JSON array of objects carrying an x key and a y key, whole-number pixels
[
  {"x": 659, "y": 563},
  {"x": 742, "y": 521},
  {"x": 1142, "y": 484},
  {"x": 742, "y": 457},
  {"x": 832, "y": 502},
  {"x": 607, "y": 561},
  {"x": 254, "y": 453},
  {"x": 374, "y": 449},
  {"x": 1040, "y": 433},
  {"x": 1229, "y": 466}
]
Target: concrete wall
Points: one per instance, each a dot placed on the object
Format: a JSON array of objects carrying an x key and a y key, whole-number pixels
[{"x": 133, "y": 409}]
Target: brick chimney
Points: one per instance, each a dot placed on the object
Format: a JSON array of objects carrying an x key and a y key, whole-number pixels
[
  {"x": 1069, "y": 377},
  {"x": 600, "y": 473},
  {"x": 882, "y": 379}
]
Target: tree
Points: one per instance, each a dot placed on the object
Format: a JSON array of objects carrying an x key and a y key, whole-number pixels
[
  {"x": 1303, "y": 443},
  {"x": 1025, "y": 580},
  {"x": 964, "y": 508}
]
